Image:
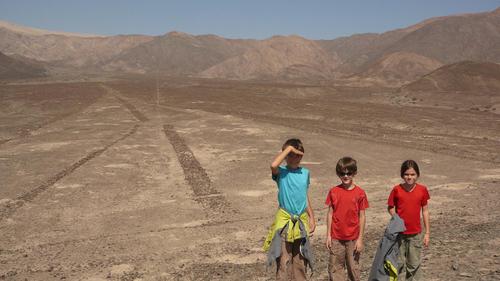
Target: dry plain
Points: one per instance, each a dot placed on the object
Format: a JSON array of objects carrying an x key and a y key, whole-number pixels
[{"x": 138, "y": 178}]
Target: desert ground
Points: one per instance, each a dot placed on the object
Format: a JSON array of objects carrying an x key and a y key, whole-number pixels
[{"x": 162, "y": 178}]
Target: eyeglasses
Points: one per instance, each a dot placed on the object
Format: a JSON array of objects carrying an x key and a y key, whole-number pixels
[{"x": 346, "y": 174}]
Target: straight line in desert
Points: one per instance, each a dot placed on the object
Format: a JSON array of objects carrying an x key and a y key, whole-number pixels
[
  {"x": 284, "y": 121},
  {"x": 26, "y": 132},
  {"x": 195, "y": 175},
  {"x": 133, "y": 110},
  {"x": 29, "y": 196}
]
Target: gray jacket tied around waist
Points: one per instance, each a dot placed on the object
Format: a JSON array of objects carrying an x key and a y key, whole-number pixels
[{"x": 385, "y": 263}]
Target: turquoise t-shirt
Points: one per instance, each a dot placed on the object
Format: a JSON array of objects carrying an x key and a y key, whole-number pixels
[{"x": 292, "y": 189}]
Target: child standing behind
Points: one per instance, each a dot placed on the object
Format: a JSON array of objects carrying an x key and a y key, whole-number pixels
[
  {"x": 408, "y": 200},
  {"x": 288, "y": 239},
  {"x": 345, "y": 223}
]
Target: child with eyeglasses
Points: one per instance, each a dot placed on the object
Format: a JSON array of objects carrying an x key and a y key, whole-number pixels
[
  {"x": 345, "y": 223},
  {"x": 409, "y": 200}
]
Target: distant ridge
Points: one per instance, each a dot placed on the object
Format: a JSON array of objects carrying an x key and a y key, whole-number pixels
[
  {"x": 465, "y": 76},
  {"x": 64, "y": 49},
  {"x": 446, "y": 39},
  {"x": 278, "y": 57},
  {"x": 36, "y": 31},
  {"x": 11, "y": 68},
  {"x": 177, "y": 53},
  {"x": 390, "y": 59},
  {"x": 398, "y": 68}
]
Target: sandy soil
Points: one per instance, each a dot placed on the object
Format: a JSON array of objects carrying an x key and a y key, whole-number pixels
[{"x": 120, "y": 181}]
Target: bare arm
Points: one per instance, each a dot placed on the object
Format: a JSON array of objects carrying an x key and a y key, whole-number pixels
[
  {"x": 329, "y": 227},
  {"x": 281, "y": 156},
  {"x": 391, "y": 210},
  {"x": 310, "y": 213},
  {"x": 358, "y": 247},
  {"x": 425, "y": 214}
]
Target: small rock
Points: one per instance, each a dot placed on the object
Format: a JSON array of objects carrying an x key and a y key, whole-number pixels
[
  {"x": 465, "y": 274},
  {"x": 454, "y": 266},
  {"x": 120, "y": 270}
]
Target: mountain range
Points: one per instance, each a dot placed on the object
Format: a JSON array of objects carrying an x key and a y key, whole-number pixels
[
  {"x": 461, "y": 77},
  {"x": 22, "y": 68},
  {"x": 392, "y": 58}
]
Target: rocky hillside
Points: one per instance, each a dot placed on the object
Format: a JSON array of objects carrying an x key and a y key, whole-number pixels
[
  {"x": 282, "y": 57},
  {"x": 398, "y": 68},
  {"x": 11, "y": 68},
  {"x": 445, "y": 39},
  {"x": 466, "y": 76},
  {"x": 65, "y": 49},
  {"x": 391, "y": 58},
  {"x": 178, "y": 53}
]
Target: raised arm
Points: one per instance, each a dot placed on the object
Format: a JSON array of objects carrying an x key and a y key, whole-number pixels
[{"x": 281, "y": 156}]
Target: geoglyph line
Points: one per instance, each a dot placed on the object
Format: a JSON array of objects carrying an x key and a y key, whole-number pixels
[
  {"x": 9, "y": 209},
  {"x": 133, "y": 110},
  {"x": 137, "y": 114},
  {"x": 195, "y": 175},
  {"x": 28, "y": 130}
]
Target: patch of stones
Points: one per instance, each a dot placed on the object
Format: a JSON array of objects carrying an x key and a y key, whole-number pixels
[
  {"x": 133, "y": 110},
  {"x": 137, "y": 114},
  {"x": 27, "y": 131},
  {"x": 11, "y": 206},
  {"x": 195, "y": 175}
]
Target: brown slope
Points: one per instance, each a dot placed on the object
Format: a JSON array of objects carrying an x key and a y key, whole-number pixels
[
  {"x": 285, "y": 57},
  {"x": 455, "y": 38},
  {"x": 178, "y": 53},
  {"x": 356, "y": 50},
  {"x": 66, "y": 49},
  {"x": 36, "y": 31},
  {"x": 398, "y": 68},
  {"x": 461, "y": 77},
  {"x": 447, "y": 39},
  {"x": 11, "y": 68}
]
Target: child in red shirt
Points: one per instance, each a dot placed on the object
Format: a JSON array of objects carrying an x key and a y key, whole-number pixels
[
  {"x": 408, "y": 200},
  {"x": 345, "y": 223}
]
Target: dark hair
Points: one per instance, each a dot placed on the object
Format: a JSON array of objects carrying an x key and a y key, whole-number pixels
[
  {"x": 295, "y": 143},
  {"x": 346, "y": 163},
  {"x": 409, "y": 164}
]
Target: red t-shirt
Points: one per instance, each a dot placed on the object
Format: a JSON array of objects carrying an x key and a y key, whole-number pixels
[
  {"x": 408, "y": 205},
  {"x": 346, "y": 205}
]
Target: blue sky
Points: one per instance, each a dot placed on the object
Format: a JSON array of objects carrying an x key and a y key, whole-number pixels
[{"x": 233, "y": 19}]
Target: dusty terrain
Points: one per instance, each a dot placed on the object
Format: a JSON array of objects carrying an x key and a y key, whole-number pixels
[{"x": 139, "y": 179}]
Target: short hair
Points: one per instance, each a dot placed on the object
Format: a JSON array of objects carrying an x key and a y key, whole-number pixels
[
  {"x": 409, "y": 164},
  {"x": 346, "y": 163},
  {"x": 296, "y": 143}
]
